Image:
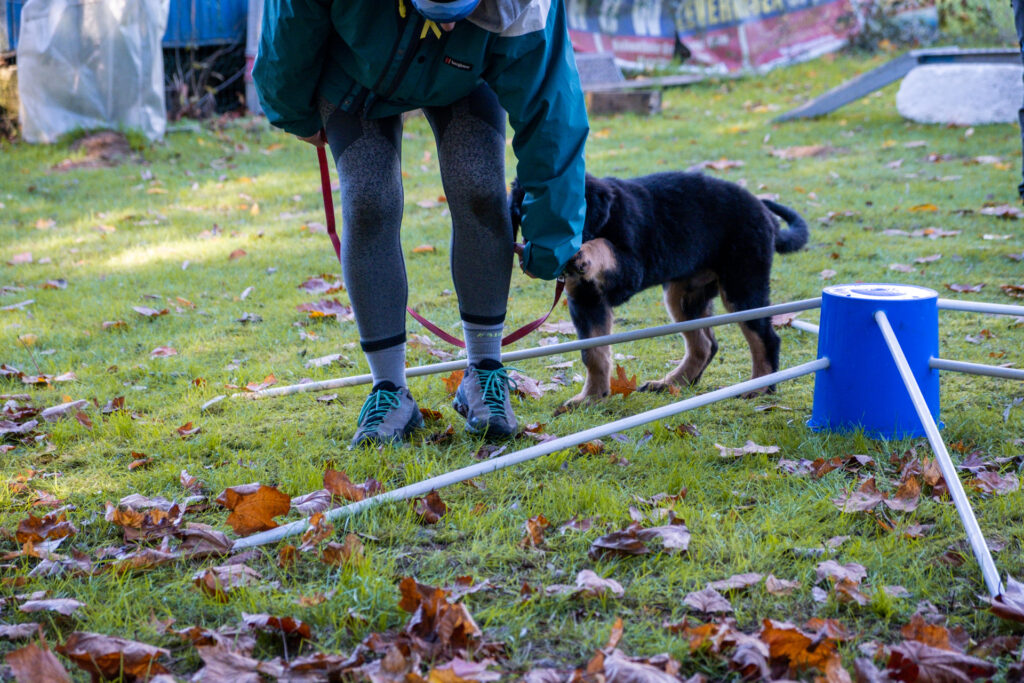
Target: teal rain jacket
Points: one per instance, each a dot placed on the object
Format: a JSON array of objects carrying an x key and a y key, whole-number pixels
[{"x": 380, "y": 57}]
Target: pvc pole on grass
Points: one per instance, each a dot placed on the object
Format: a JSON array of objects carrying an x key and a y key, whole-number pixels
[
  {"x": 979, "y": 307},
  {"x": 553, "y": 349},
  {"x": 976, "y": 368},
  {"x": 956, "y": 489},
  {"x": 426, "y": 486},
  {"x": 804, "y": 326}
]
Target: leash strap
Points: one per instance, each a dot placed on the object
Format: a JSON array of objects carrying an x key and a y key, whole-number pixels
[{"x": 332, "y": 232}]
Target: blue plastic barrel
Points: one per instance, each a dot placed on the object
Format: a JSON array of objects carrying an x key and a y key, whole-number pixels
[{"x": 861, "y": 388}]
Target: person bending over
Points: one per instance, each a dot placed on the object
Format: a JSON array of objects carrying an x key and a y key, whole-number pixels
[{"x": 342, "y": 72}]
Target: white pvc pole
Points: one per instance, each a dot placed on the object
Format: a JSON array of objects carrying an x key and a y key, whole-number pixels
[
  {"x": 956, "y": 489},
  {"x": 804, "y": 326},
  {"x": 553, "y": 349},
  {"x": 976, "y": 368},
  {"x": 979, "y": 307},
  {"x": 486, "y": 467}
]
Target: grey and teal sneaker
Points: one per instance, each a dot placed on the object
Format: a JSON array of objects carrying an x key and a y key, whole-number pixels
[
  {"x": 388, "y": 416},
  {"x": 483, "y": 399}
]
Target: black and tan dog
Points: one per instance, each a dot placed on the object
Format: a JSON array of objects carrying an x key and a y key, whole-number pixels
[{"x": 695, "y": 235}]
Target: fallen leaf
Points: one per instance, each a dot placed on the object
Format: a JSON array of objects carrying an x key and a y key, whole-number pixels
[
  {"x": 534, "y": 528},
  {"x": 777, "y": 586},
  {"x": 746, "y": 449},
  {"x": 915, "y": 661},
  {"x": 111, "y": 657},
  {"x": 50, "y": 526},
  {"x": 327, "y": 308},
  {"x": 35, "y": 664},
  {"x": 737, "y": 582},
  {"x": 424, "y": 248},
  {"x": 340, "y": 554},
  {"x": 708, "y": 600},
  {"x": 620, "y": 385},
  {"x": 452, "y": 382},
  {"x": 148, "y": 312},
  {"x": 253, "y": 507},
  {"x": 163, "y": 352},
  {"x": 65, "y": 606},
  {"x": 219, "y": 582},
  {"x": 965, "y": 288},
  {"x": 337, "y": 483},
  {"x": 236, "y": 254},
  {"x": 430, "y": 509},
  {"x": 283, "y": 626}
]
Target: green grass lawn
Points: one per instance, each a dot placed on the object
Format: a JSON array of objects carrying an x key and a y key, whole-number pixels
[{"x": 159, "y": 231}]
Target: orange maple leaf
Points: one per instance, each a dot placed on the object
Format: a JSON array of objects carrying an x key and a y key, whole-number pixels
[
  {"x": 452, "y": 381},
  {"x": 621, "y": 385}
]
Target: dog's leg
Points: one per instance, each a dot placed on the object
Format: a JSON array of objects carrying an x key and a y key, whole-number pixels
[
  {"x": 684, "y": 302},
  {"x": 764, "y": 343},
  {"x": 593, "y": 320}
]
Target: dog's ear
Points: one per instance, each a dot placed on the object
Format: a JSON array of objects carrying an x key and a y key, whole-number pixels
[
  {"x": 599, "y": 206},
  {"x": 515, "y": 206}
]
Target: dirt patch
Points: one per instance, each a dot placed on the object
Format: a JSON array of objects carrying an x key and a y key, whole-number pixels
[{"x": 104, "y": 149}]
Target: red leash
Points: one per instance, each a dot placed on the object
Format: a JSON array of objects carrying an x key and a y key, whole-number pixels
[{"x": 325, "y": 187}]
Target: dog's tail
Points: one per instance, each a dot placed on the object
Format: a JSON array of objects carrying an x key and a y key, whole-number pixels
[{"x": 798, "y": 233}]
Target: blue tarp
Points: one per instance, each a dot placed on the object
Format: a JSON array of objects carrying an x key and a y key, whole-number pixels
[{"x": 190, "y": 22}]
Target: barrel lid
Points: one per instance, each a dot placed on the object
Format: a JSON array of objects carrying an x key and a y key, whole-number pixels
[{"x": 879, "y": 291}]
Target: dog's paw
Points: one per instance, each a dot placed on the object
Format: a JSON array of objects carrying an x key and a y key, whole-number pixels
[
  {"x": 759, "y": 392},
  {"x": 578, "y": 401},
  {"x": 657, "y": 386}
]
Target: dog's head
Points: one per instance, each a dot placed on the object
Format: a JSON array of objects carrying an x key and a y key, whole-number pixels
[{"x": 599, "y": 204}]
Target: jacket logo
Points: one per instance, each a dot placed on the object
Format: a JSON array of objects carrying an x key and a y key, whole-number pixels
[{"x": 451, "y": 61}]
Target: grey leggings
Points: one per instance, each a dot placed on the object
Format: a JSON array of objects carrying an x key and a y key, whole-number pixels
[{"x": 470, "y": 137}]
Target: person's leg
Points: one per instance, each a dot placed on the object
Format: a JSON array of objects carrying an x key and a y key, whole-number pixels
[
  {"x": 470, "y": 138},
  {"x": 368, "y": 157},
  {"x": 1018, "y": 19}
]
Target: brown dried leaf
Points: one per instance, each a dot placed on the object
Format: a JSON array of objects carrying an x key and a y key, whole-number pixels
[
  {"x": 1010, "y": 603},
  {"x": 35, "y": 664},
  {"x": 452, "y": 382},
  {"x": 995, "y": 483},
  {"x": 915, "y": 661},
  {"x": 798, "y": 649},
  {"x": 708, "y": 600},
  {"x": 737, "y": 582},
  {"x": 50, "y": 526},
  {"x": 285, "y": 626},
  {"x": 147, "y": 312},
  {"x": 866, "y": 497},
  {"x": 837, "y": 572},
  {"x": 339, "y": 554},
  {"x": 430, "y": 509},
  {"x": 219, "y": 582},
  {"x": 65, "y": 606},
  {"x": 253, "y": 507},
  {"x": 906, "y": 497},
  {"x": 777, "y": 586},
  {"x": 620, "y": 384},
  {"x": 338, "y": 484},
  {"x": 534, "y": 528},
  {"x": 112, "y": 657}
]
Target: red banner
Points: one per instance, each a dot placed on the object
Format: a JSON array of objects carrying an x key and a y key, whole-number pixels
[{"x": 728, "y": 34}]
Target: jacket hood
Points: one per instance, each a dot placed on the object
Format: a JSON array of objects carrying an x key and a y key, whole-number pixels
[{"x": 497, "y": 15}]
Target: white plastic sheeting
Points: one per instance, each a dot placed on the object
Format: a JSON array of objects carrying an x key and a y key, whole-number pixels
[{"x": 85, "y": 64}]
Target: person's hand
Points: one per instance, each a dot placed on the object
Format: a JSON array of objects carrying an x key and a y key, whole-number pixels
[
  {"x": 520, "y": 249},
  {"x": 317, "y": 139}
]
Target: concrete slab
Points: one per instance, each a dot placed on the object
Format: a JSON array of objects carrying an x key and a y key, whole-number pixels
[{"x": 962, "y": 94}]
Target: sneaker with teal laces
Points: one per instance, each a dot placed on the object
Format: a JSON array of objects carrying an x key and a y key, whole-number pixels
[
  {"x": 483, "y": 399},
  {"x": 389, "y": 415}
]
